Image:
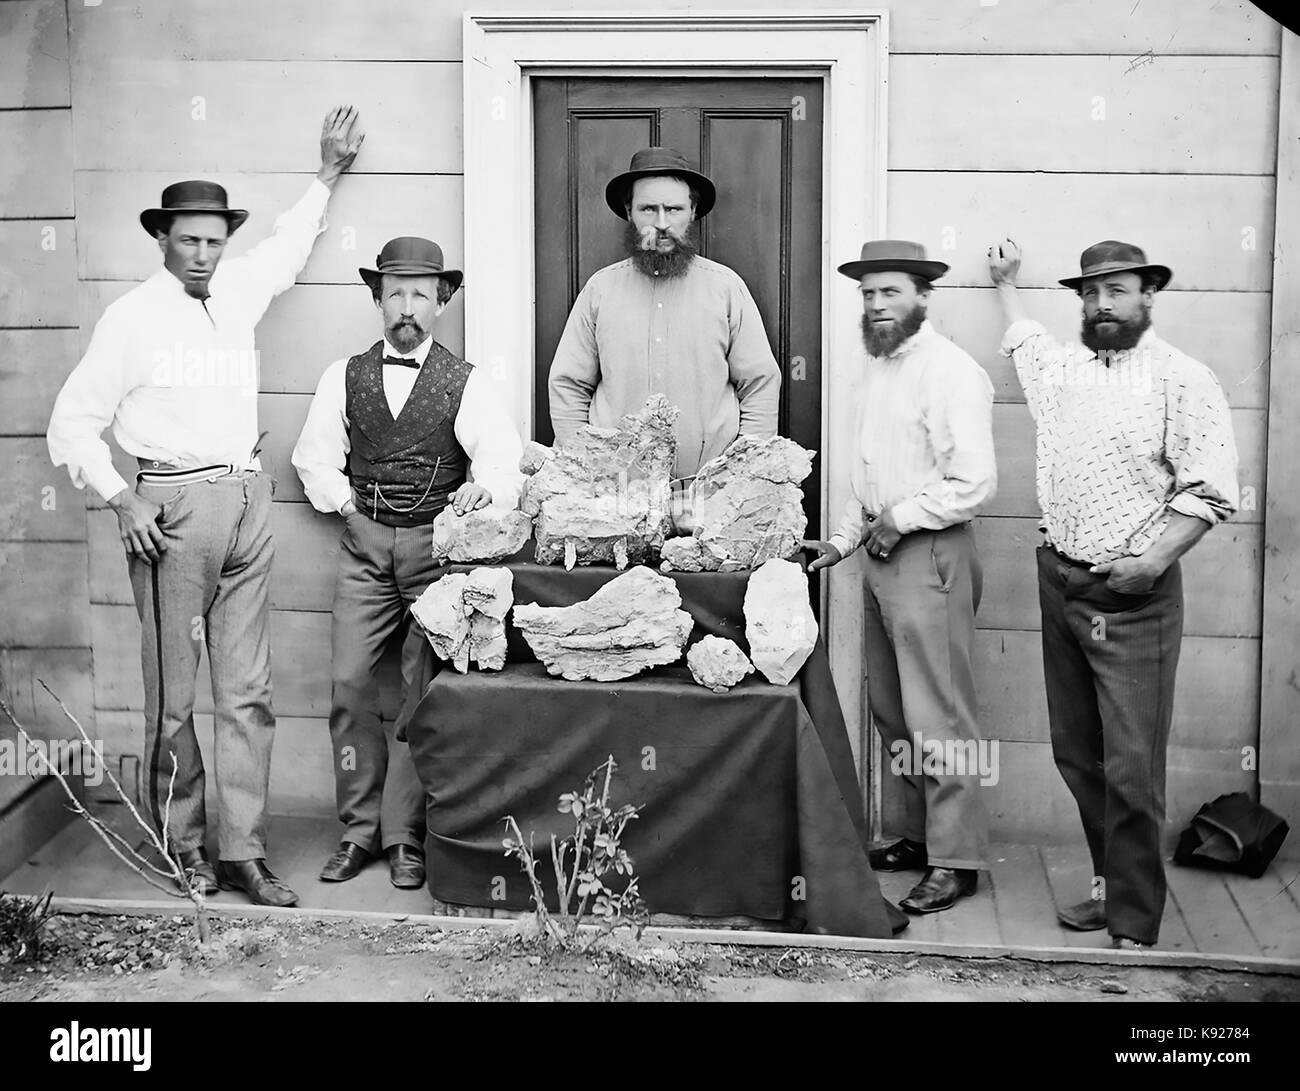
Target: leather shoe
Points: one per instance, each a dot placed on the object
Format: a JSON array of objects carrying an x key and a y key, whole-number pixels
[
  {"x": 898, "y": 921},
  {"x": 345, "y": 863},
  {"x": 1123, "y": 943},
  {"x": 940, "y": 889},
  {"x": 1089, "y": 916},
  {"x": 406, "y": 867},
  {"x": 196, "y": 860},
  {"x": 902, "y": 855},
  {"x": 255, "y": 879}
]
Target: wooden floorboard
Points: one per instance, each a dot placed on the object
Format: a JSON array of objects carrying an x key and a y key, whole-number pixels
[
  {"x": 1271, "y": 914},
  {"x": 1211, "y": 912},
  {"x": 1015, "y": 905},
  {"x": 1023, "y": 897}
]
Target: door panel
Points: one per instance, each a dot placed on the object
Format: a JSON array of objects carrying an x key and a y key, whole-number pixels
[{"x": 759, "y": 139}]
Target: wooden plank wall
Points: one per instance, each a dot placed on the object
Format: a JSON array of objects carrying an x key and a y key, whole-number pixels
[
  {"x": 991, "y": 131},
  {"x": 1059, "y": 133},
  {"x": 44, "y": 607}
]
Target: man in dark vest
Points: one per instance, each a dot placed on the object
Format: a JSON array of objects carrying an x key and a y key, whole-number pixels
[{"x": 391, "y": 439}]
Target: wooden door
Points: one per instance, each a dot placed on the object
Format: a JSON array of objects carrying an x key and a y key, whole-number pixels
[{"x": 760, "y": 141}]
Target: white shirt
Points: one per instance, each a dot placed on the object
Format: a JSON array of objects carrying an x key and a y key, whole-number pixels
[
  {"x": 924, "y": 439},
  {"x": 178, "y": 378},
  {"x": 1121, "y": 445},
  {"x": 483, "y": 429}
]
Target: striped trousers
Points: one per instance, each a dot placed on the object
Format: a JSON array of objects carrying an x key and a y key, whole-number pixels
[
  {"x": 1109, "y": 660},
  {"x": 208, "y": 590}
]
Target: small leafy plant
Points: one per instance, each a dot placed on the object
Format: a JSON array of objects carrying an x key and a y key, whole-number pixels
[
  {"x": 581, "y": 864},
  {"x": 22, "y": 920}
]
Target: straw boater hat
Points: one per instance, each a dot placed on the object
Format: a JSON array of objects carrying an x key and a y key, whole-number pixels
[
  {"x": 649, "y": 162},
  {"x": 192, "y": 196},
  {"x": 1112, "y": 256},
  {"x": 893, "y": 256},
  {"x": 411, "y": 256}
]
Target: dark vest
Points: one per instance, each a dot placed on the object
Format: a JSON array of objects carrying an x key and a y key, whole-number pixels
[{"x": 404, "y": 471}]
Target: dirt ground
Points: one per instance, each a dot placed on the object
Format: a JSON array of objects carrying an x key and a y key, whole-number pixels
[{"x": 123, "y": 958}]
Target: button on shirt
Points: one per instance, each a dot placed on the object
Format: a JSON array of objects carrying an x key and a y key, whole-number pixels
[
  {"x": 924, "y": 447},
  {"x": 698, "y": 339},
  {"x": 175, "y": 376},
  {"x": 483, "y": 429},
  {"x": 1123, "y": 445}
]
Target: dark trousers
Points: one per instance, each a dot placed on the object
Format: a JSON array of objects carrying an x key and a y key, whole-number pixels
[
  {"x": 918, "y": 631},
  {"x": 209, "y": 589},
  {"x": 1109, "y": 660},
  {"x": 381, "y": 571}
]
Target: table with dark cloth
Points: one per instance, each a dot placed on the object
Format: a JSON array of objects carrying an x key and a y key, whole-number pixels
[{"x": 750, "y": 802}]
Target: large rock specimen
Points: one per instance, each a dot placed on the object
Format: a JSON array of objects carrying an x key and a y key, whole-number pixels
[
  {"x": 604, "y": 495},
  {"x": 745, "y": 506},
  {"x": 479, "y": 536},
  {"x": 717, "y": 663},
  {"x": 779, "y": 622},
  {"x": 632, "y": 623},
  {"x": 463, "y": 616}
]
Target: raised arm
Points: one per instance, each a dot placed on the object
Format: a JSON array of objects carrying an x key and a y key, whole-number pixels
[{"x": 273, "y": 265}]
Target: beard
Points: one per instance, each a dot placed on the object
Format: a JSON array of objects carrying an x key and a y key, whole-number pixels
[
  {"x": 885, "y": 340},
  {"x": 1126, "y": 334},
  {"x": 405, "y": 335},
  {"x": 653, "y": 262}
]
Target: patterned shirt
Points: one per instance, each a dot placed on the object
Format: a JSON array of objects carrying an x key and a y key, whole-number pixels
[
  {"x": 1123, "y": 445},
  {"x": 924, "y": 447},
  {"x": 697, "y": 339}
]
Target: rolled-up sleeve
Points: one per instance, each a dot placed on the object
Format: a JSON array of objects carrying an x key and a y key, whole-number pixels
[
  {"x": 1200, "y": 447},
  {"x": 1037, "y": 356},
  {"x": 752, "y": 368},
  {"x": 960, "y": 428}
]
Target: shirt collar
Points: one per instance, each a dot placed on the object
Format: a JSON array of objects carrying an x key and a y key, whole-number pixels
[{"x": 419, "y": 354}]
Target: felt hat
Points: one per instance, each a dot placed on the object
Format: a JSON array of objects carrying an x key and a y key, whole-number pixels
[
  {"x": 192, "y": 196},
  {"x": 1112, "y": 256},
  {"x": 411, "y": 256},
  {"x": 649, "y": 162},
  {"x": 893, "y": 256}
]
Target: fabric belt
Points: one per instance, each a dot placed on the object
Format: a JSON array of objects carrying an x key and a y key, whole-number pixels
[{"x": 160, "y": 473}]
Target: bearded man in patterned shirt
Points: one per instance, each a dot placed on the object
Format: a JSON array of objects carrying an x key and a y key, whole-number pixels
[{"x": 1136, "y": 461}]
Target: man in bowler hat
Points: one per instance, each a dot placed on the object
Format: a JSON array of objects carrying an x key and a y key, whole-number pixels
[
  {"x": 1136, "y": 461},
  {"x": 666, "y": 320},
  {"x": 394, "y": 436},
  {"x": 923, "y": 466},
  {"x": 172, "y": 367}
]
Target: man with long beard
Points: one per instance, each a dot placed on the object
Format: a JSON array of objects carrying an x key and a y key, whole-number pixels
[
  {"x": 923, "y": 465},
  {"x": 666, "y": 321},
  {"x": 1136, "y": 461}
]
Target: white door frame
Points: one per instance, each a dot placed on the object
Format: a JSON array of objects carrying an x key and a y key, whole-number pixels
[{"x": 849, "y": 48}]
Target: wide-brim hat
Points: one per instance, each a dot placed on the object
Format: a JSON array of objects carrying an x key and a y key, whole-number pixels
[
  {"x": 893, "y": 256},
  {"x": 1113, "y": 256},
  {"x": 649, "y": 162},
  {"x": 411, "y": 256},
  {"x": 192, "y": 196}
]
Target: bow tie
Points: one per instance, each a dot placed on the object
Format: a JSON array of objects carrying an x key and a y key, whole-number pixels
[{"x": 402, "y": 362}]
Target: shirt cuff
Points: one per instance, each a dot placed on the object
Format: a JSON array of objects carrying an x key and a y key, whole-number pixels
[
  {"x": 908, "y": 516},
  {"x": 1186, "y": 503},
  {"x": 104, "y": 480},
  {"x": 1018, "y": 333},
  {"x": 843, "y": 545}
]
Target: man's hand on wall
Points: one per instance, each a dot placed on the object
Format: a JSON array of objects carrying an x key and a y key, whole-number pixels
[
  {"x": 1004, "y": 263},
  {"x": 341, "y": 136}
]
